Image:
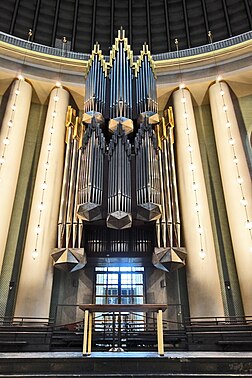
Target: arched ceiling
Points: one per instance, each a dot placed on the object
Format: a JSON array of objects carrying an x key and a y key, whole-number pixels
[{"x": 157, "y": 22}]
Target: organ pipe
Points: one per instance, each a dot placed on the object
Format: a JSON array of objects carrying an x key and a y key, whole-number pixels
[
  {"x": 67, "y": 217},
  {"x": 90, "y": 192},
  {"x": 168, "y": 255},
  {"x": 95, "y": 94},
  {"x": 147, "y": 174},
  {"x": 120, "y": 109},
  {"x": 68, "y": 255},
  {"x": 146, "y": 93},
  {"x": 170, "y": 218},
  {"x": 119, "y": 182},
  {"x": 120, "y": 78}
]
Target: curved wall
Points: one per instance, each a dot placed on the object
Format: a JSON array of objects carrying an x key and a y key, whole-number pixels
[{"x": 157, "y": 22}]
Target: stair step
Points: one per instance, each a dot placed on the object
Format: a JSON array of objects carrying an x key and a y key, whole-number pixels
[{"x": 127, "y": 375}]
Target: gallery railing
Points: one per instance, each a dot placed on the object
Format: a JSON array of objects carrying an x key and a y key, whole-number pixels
[{"x": 7, "y": 38}]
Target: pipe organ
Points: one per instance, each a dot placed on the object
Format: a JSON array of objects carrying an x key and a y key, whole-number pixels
[
  {"x": 119, "y": 180},
  {"x": 146, "y": 93},
  {"x": 121, "y": 74},
  {"x": 90, "y": 189},
  {"x": 69, "y": 255},
  {"x": 147, "y": 174},
  {"x": 169, "y": 255},
  {"x": 95, "y": 95}
]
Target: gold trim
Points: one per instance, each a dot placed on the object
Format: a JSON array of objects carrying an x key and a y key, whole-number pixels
[
  {"x": 97, "y": 51},
  {"x": 70, "y": 120},
  {"x": 115, "y": 48},
  {"x": 167, "y": 125},
  {"x": 159, "y": 139},
  {"x": 74, "y": 122},
  {"x": 143, "y": 52}
]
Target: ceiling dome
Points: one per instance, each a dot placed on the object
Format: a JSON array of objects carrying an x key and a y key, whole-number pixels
[{"x": 157, "y": 22}]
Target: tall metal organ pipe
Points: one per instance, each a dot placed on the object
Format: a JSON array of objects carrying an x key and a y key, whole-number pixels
[
  {"x": 95, "y": 94},
  {"x": 169, "y": 222},
  {"x": 120, "y": 80},
  {"x": 147, "y": 174},
  {"x": 90, "y": 185},
  {"x": 146, "y": 93},
  {"x": 68, "y": 255},
  {"x": 169, "y": 255},
  {"x": 119, "y": 177},
  {"x": 119, "y": 181},
  {"x": 91, "y": 173}
]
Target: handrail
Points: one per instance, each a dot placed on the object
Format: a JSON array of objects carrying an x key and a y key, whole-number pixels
[
  {"x": 43, "y": 49},
  {"x": 7, "y": 38},
  {"x": 202, "y": 320},
  {"x": 204, "y": 48},
  {"x": 26, "y": 320}
]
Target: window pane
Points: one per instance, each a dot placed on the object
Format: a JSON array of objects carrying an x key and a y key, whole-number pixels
[
  {"x": 101, "y": 269},
  {"x": 100, "y": 300},
  {"x": 100, "y": 290},
  {"x": 113, "y": 291},
  {"x": 112, "y": 278},
  {"x": 112, "y": 300},
  {"x": 125, "y": 269},
  {"x": 126, "y": 278},
  {"x": 101, "y": 278},
  {"x": 138, "y": 300},
  {"x": 138, "y": 278},
  {"x": 126, "y": 300},
  {"x": 138, "y": 290}
]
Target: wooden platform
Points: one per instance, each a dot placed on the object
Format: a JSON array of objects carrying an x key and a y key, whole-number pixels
[{"x": 126, "y": 364}]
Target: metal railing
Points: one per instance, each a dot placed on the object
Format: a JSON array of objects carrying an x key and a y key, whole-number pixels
[
  {"x": 7, "y": 38},
  {"x": 68, "y": 315},
  {"x": 218, "y": 320},
  {"x": 204, "y": 48},
  {"x": 19, "y": 42},
  {"x": 23, "y": 321}
]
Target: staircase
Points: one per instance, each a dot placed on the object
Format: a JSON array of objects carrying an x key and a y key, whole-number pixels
[{"x": 126, "y": 365}]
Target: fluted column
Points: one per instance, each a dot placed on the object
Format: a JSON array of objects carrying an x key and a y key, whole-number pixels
[
  {"x": 237, "y": 186},
  {"x": 12, "y": 135},
  {"x": 202, "y": 272},
  {"x": 34, "y": 291}
]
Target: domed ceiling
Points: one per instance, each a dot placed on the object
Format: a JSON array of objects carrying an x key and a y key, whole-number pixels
[{"x": 157, "y": 22}]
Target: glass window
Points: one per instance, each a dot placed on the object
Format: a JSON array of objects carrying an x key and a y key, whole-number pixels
[{"x": 120, "y": 285}]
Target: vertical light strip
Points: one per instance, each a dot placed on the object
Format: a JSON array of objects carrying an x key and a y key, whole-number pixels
[
  {"x": 46, "y": 166},
  {"x": 6, "y": 139},
  {"x": 34, "y": 290},
  {"x": 12, "y": 137},
  {"x": 192, "y": 167},
  {"x": 202, "y": 271},
  {"x": 50, "y": 140},
  {"x": 236, "y": 182},
  {"x": 13, "y": 107},
  {"x": 237, "y": 164}
]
